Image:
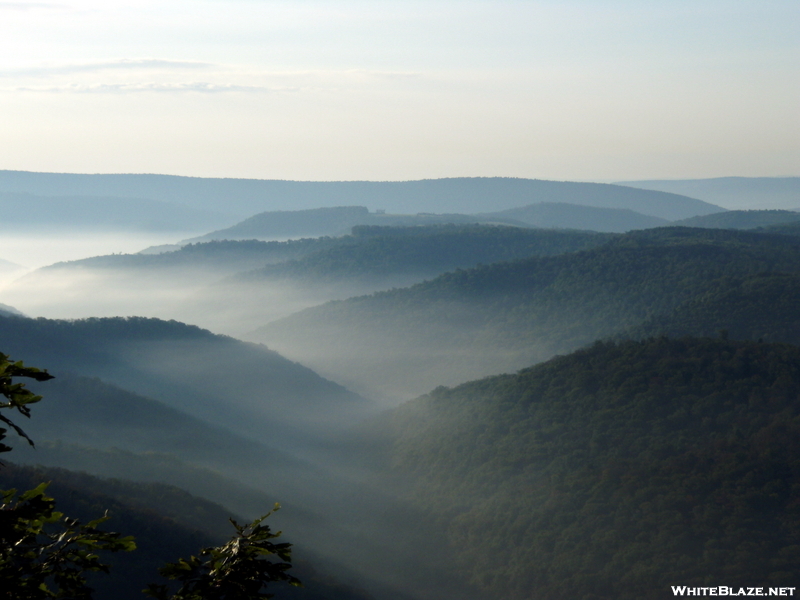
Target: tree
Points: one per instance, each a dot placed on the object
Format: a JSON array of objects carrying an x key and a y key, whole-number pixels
[
  {"x": 237, "y": 570},
  {"x": 45, "y": 555}
]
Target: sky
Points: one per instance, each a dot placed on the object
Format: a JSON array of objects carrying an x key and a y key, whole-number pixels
[{"x": 592, "y": 90}]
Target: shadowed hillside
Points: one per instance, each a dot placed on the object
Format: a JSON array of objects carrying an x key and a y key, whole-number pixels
[
  {"x": 235, "y": 286},
  {"x": 564, "y": 214},
  {"x": 741, "y": 219},
  {"x": 503, "y": 316},
  {"x": 245, "y": 387},
  {"x": 167, "y": 524},
  {"x": 612, "y": 473}
]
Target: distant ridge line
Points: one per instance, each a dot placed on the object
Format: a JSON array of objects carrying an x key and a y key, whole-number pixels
[{"x": 246, "y": 197}]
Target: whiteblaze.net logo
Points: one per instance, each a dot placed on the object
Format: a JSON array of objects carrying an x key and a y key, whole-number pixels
[{"x": 723, "y": 590}]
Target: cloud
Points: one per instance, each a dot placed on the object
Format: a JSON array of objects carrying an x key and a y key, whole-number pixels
[
  {"x": 160, "y": 75},
  {"x": 122, "y": 88},
  {"x": 29, "y": 5},
  {"x": 124, "y": 64}
]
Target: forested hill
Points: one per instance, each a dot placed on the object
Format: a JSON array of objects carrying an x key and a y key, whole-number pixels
[
  {"x": 167, "y": 524},
  {"x": 9, "y": 311},
  {"x": 433, "y": 248},
  {"x": 338, "y": 220},
  {"x": 504, "y": 316},
  {"x": 236, "y": 286},
  {"x": 188, "y": 368},
  {"x": 247, "y": 197},
  {"x": 758, "y": 307},
  {"x": 311, "y": 222},
  {"x": 792, "y": 228},
  {"x": 741, "y": 219},
  {"x": 611, "y": 473},
  {"x": 90, "y": 412},
  {"x": 212, "y": 257},
  {"x": 374, "y": 253},
  {"x": 564, "y": 214}
]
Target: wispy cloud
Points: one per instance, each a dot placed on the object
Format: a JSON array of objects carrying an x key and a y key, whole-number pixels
[
  {"x": 30, "y": 5},
  {"x": 122, "y": 88},
  {"x": 122, "y": 76},
  {"x": 124, "y": 64}
]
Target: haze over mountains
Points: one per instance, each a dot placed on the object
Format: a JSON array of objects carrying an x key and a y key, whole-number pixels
[
  {"x": 246, "y": 197},
  {"x": 733, "y": 192},
  {"x": 511, "y": 314},
  {"x": 160, "y": 210},
  {"x": 497, "y": 398}
]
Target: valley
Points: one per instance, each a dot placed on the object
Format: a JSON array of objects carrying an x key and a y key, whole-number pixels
[{"x": 542, "y": 390}]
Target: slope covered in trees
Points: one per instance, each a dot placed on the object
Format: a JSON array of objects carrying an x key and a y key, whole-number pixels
[
  {"x": 792, "y": 228},
  {"x": 323, "y": 512},
  {"x": 166, "y": 522},
  {"x": 45, "y": 553},
  {"x": 760, "y": 307},
  {"x": 566, "y": 215},
  {"x": 90, "y": 412},
  {"x": 312, "y": 222},
  {"x": 212, "y": 257},
  {"x": 233, "y": 287},
  {"x": 245, "y": 387},
  {"x": 610, "y": 473},
  {"x": 378, "y": 256},
  {"x": 741, "y": 219},
  {"x": 339, "y": 220},
  {"x": 505, "y": 316}
]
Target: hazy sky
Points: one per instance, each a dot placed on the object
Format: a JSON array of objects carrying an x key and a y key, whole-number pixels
[{"x": 385, "y": 89}]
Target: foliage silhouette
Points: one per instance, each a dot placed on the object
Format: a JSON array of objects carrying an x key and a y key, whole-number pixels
[{"x": 234, "y": 571}]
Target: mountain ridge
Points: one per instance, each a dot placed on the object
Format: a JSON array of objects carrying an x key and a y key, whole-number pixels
[{"x": 451, "y": 195}]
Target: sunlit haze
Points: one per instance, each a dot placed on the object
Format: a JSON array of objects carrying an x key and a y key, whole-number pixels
[{"x": 390, "y": 90}]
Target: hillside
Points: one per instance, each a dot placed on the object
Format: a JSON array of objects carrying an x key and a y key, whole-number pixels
[
  {"x": 88, "y": 425},
  {"x": 90, "y": 412},
  {"x": 253, "y": 391},
  {"x": 611, "y": 473},
  {"x": 247, "y": 197},
  {"x": 732, "y": 192},
  {"x": 504, "y": 316},
  {"x": 162, "y": 284},
  {"x": 159, "y": 538},
  {"x": 339, "y": 220},
  {"x": 9, "y": 311},
  {"x": 388, "y": 256},
  {"x": 760, "y": 307},
  {"x": 792, "y": 228},
  {"x": 235, "y": 286},
  {"x": 205, "y": 260},
  {"x": 312, "y": 222},
  {"x": 167, "y": 524},
  {"x": 741, "y": 219},
  {"x": 566, "y": 215}
]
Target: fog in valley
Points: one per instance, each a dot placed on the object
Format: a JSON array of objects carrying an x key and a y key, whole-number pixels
[
  {"x": 316, "y": 370},
  {"x": 495, "y": 300}
]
